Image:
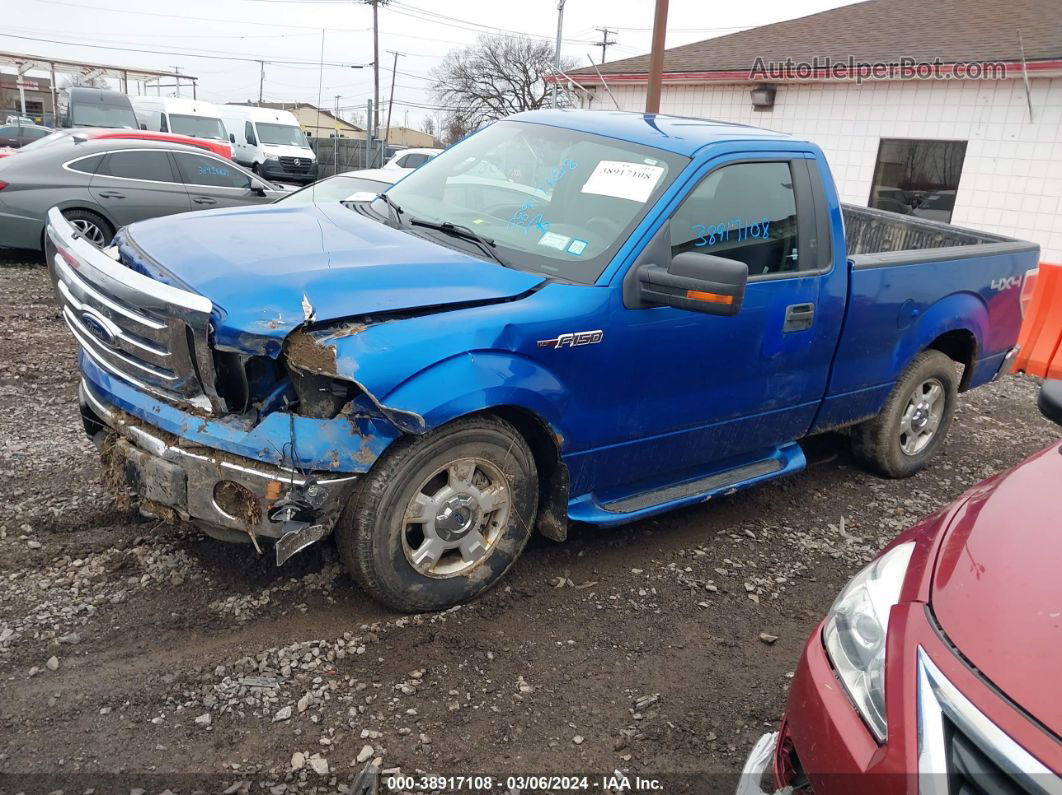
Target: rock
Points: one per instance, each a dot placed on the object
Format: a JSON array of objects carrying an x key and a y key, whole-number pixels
[
  {"x": 319, "y": 764},
  {"x": 365, "y": 754},
  {"x": 52, "y": 664},
  {"x": 298, "y": 760},
  {"x": 73, "y": 638},
  {"x": 768, "y": 638},
  {"x": 425, "y": 739},
  {"x": 203, "y": 720},
  {"x": 303, "y": 703},
  {"x": 282, "y": 714},
  {"x": 644, "y": 702},
  {"x": 32, "y": 544},
  {"x": 578, "y": 739}
]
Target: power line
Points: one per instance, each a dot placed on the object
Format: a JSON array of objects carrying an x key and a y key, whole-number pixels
[
  {"x": 425, "y": 15},
  {"x": 96, "y": 8},
  {"x": 186, "y": 54}
]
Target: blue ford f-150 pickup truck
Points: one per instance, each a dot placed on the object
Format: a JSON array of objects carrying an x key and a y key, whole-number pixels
[{"x": 568, "y": 316}]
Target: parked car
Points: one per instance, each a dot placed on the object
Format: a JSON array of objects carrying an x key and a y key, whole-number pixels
[
  {"x": 190, "y": 117},
  {"x": 221, "y": 148},
  {"x": 654, "y": 315},
  {"x": 16, "y": 136},
  {"x": 14, "y": 118},
  {"x": 270, "y": 143},
  {"x": 936, "y": 669},
  {"x": 103, "y": 184},
  {"x": 409, "y": 159},
  {"x": 95, "y": 107},
  {"x": 362, "y": 185}
]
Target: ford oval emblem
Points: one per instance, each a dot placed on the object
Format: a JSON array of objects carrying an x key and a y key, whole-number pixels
[{"x": 98, "y": 328}]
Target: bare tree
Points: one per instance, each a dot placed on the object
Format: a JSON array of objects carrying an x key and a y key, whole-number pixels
[{"x": 496, "y": 77}]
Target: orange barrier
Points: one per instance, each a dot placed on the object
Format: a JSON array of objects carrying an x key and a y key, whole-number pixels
[{"x": 1041, "y": 330}]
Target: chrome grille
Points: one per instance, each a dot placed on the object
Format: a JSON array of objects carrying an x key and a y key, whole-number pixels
[{"x": 150, "y": 334}]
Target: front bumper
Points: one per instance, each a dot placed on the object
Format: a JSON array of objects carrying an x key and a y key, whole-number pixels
[{"x": 191, "y": 479}]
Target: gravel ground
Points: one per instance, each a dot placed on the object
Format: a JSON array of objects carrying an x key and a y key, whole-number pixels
[{"x": 138, "y": 655}]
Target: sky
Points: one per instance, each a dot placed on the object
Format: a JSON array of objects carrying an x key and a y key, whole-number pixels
[{"x": 219, "y": 41}]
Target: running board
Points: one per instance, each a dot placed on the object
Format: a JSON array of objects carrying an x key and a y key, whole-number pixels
[{"x": 785, "y": 460}]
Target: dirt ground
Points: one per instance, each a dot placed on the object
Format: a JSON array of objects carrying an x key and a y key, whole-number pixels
[{"x": 137, "y": 656}]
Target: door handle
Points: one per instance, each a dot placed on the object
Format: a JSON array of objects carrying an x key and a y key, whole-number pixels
[
  {"x": 798, "y": 317},
  {"x": 111, "y": 194},
  {"x": 204, "y": 200}
]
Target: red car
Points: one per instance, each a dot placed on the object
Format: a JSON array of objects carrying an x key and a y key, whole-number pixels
[
  {"x": 92, "y": 133},
  {"x": 939, "y": 667}
]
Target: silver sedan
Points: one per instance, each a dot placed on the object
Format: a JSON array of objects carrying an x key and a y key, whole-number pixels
[{"x": 102, "y": 185}]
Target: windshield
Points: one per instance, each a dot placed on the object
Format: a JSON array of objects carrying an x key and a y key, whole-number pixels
[
  {"x": 96, "y": 114},
  {"x": 340, "y": 188},
  {"x": 281, "y": 134},
  {"x": 198, "y": 127},
  {"x": 556, "y": 201}
]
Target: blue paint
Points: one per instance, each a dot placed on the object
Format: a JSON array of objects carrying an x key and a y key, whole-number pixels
[
  {"x": 664, "y": 397},
  {"x": 216, "y": 171}
]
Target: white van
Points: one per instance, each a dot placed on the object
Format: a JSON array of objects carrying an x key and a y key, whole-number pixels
[
  {"x": 270, "y": 142},
  {"x": 184, "y": 116}
]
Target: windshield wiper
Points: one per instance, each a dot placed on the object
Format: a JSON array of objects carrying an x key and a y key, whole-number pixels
[
  {"x": 394, "y": 208},
  {"x": 463, "y": 232}
]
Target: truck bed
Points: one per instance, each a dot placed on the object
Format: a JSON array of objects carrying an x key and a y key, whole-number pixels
[
  {"x": 870, "y": 233},
  {"x": 916, "y": 283}
]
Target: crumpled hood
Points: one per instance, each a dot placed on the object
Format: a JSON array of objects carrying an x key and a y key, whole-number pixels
[
  {"x": 996, "y": 590},
  {"x": 268, "y": 270}
]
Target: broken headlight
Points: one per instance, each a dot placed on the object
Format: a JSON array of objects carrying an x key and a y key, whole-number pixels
[
  {"x": 856, "y": 631},
  {"x": 321, "y": 396}
]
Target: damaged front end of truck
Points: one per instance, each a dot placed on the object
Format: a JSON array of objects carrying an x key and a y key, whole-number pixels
[{"x": 253, "y": 437}]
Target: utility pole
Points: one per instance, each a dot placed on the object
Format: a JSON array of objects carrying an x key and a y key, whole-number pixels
[
  {"x": 261, "y": 80},
  {"x": 391, "y": 101},
  {"x": 177, "y": 79},
  {"x": 376, "y": 58},
  {"x": 335, "y": 141},
  {"x": 605, "y": 41},
  {"x": 557, "y": 51},
  {"x": 656, "y": 58}
]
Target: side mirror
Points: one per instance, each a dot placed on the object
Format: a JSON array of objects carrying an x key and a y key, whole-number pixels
[
  {"x": 1050, "y": 402},
  {"x": 697, "y": 282},
  {"x": 232, "y": 138}
]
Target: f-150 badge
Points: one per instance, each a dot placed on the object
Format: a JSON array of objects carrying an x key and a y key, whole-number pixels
[{"x": 573, "y": 339}]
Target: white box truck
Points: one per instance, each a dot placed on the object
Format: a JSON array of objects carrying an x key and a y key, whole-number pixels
[{"x": 270, "y": 142}]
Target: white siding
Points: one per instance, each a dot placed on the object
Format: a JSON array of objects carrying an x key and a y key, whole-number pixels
[{"x": 1011, "y": 179}]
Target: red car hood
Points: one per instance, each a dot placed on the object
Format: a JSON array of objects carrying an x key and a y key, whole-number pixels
[{"x": 997, "y": 588}]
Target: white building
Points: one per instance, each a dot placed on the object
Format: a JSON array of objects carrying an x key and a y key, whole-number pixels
[{"x": 968, "y": 151}]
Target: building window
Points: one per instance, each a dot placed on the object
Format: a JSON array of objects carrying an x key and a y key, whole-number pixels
[{"x": 918, "y": 178}]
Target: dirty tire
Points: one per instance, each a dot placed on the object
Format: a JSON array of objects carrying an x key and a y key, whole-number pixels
[
  {"x": 92, "y": 226},
  {"x": 877, "y": 442},
  {"x": 373, "y": 535}
]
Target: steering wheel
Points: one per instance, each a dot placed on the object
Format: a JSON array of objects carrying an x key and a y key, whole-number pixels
[{"x": 612, "y": 229}]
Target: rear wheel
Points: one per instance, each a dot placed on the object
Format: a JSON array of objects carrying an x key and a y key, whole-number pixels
[
  {"x": 94, "y": 228},
  {"x": 911, "y": 427},
  {"x": 441, "y": 517}
]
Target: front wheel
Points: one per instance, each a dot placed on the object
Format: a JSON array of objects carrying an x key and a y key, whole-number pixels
[
  {"x": 911, "y": 427},
  {"x": 441, "y": 517},
  {"x": 90, "y": 226}
]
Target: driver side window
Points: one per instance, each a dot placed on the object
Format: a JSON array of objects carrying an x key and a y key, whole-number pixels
[{"x": 743, "y": 211}]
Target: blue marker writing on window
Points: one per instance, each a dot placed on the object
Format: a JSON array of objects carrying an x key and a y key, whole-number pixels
[{"x": 736, "y": 229}]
